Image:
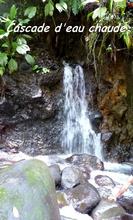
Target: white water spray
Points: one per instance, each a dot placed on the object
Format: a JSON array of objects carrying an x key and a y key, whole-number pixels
[{"x": 78, "y": 135}]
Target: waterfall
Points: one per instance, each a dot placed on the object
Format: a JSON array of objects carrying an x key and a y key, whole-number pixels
[{"x": 78, "y": 135}]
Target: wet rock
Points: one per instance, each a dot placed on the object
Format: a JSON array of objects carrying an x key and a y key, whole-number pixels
[
  {"x": 71, "y": 177},
  {"x": 107, "y": 210},
  {"x": 106, "y": 137},
  {"x": 104, "y": 192},
  {"x": 53, "y": 78},
  {"x": 61, "y": 199},
  {"x": 96, "y": 118},
  {"x": 86, "y": 161},
  {"x": 102, "y": 180},
  {"x": 119, "y": 110},
  {"x": 68, "y": 213},
  {"x": 83, "y": 197},
  {"x": 127, "y": 202},
  {"x": 27, "y": 191},
  {"x": 30, "y": 106},
  {"x": 56, "y": 174}
]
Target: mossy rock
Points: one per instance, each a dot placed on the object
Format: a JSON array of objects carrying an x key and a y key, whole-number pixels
[{"x": 27, "y": 189}]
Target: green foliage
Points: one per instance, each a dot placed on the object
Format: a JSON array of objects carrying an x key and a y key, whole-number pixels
[
  {"x": 49, "y": 8},
  {"x": 111, "y": 15},
  {"x": 99, "y": 13},
  {"x": 40, "y": 69},
  {"x": 30, "y": 12},
  {"x": 68, "y": 6},
  {"x": 30, "y": 59},
  {"x": 13, "y": 45}
]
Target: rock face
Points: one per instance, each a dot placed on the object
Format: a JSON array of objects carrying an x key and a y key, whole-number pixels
[
  {"x": 107, "y": 211},
  {"x": 83, "y": 197},
  {"x": 29, "y": 111},
  {"x": 27, "y": 192},
  {"x": 114, "y": 101}
]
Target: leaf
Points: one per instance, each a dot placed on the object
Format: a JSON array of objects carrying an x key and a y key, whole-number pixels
[
  {"x": 75, "y": 6},
  {"x": 49, "y": 9},
  {"x": 30, "y": 11},
  {"x": 24, "y": 21},
  {"x": 127, "y": 39},
  {"x": 36, "y": 67},
  {"x": 5, "y": 45},
  {"x": 21, "y": 40},
  {"x": 3, "y": 59},
  {"x": 111, "y": 5},
  {"x": 13, "y": 12},
  {"x": 45, "y": 70},
  {"x": 99, "y": 12},
  {"x": 22, "y": 49},
  {"x": 85, "y": 2},
  {"x": 30, "y": 59},
  {"x": 3, "y": 34},
  {"x": 120, "y": 5},
  {"x": 59, "y": 7},
  {"x": 62, "y": 6},
  {"x": 12, "y": 65},
  {"x": 2, "y": 1},
  {"x": 2, "y": 70}
]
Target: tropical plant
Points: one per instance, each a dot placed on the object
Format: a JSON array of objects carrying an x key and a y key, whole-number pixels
[
  {"x": 113, "y": 14},
  {"x": 13, "y": 45}
]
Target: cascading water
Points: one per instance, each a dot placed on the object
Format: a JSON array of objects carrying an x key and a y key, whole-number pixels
[{"x": 78, "y": 135}]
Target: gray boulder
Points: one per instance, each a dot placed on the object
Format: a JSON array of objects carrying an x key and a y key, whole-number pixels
[
  {"x": 27, "y": 192},
  {"x": 71, "y": 177},
  {"x": 103, "y": 180},
  {"x": 83, "y": 197},
  {"x": 86, "y": 162}
]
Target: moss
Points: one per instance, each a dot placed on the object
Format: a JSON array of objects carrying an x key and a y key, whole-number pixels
[
  {"x": 3, "y": 193},
  {"x": 33, "y": 174}
]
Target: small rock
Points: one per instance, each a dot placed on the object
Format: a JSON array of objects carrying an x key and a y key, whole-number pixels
[
  {"x": 71, "y": 177},
  {"x": 83, "y": 197},
  {"x": 61, "y": 199},
  {"x": 102, "y": 180}
]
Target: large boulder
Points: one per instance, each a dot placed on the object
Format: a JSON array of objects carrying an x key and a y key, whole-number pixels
[
  {"x": 27, "y": 192},
  {"x": 86, "y": 162},
  {"x": 83, "y": 197},
  {"x": 107, "y": 211}
]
